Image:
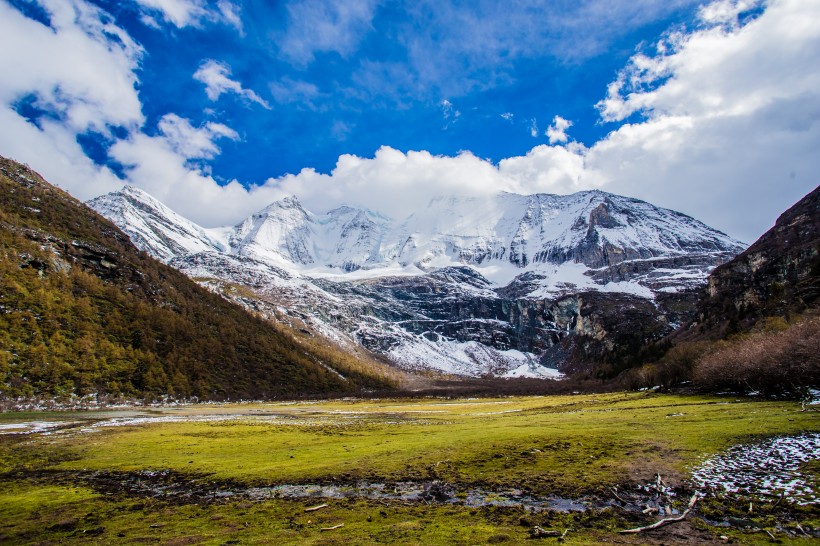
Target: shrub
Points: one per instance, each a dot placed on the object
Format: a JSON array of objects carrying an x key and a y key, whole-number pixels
[
  {"x": 774, "y": 362},
  {"x": 674, "y": 368}
]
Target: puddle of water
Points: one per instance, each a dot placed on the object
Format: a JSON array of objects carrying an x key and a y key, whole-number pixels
[{"x": 169, "y": 485}]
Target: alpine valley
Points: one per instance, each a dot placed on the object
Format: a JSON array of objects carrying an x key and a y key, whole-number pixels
[{"x": 507, "y": 286}]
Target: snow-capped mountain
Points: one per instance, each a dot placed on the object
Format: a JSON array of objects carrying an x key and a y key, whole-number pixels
[
  {"x": 284, "y": 232},
  {"x": 472, "y": 286},
  {"x": 152, "y": 226},
  {"x": 593, "y": 228}
]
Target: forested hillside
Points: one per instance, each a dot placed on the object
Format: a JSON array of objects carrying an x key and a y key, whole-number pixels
[{"x": 83, "y": 312}]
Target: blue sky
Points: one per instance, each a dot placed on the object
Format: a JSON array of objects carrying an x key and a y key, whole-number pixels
[
  {"x": 220, "y": 107},
  {"x": 352, "y": 76}
]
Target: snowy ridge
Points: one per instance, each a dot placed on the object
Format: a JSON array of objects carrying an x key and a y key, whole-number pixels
[
  {"x": 152, "y": 226},
  {"x": 594, "y": 228},
  {"x": 502, "y": 236},
  {"x": 467, "y": 286}
]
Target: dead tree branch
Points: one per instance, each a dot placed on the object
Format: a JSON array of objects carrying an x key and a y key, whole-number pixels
[{"x": 666, "y": 521}]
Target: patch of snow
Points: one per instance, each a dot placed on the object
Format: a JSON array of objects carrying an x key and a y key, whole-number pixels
[{"x": 768, "y": 468}]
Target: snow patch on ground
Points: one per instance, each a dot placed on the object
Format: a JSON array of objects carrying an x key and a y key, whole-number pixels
[{"x": 769, "y": 468}]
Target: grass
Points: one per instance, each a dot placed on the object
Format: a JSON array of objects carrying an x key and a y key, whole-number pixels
[{"x": 563, "y": 445}]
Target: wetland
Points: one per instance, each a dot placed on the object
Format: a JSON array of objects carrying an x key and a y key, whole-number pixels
[{"x": 580, "y": 468}]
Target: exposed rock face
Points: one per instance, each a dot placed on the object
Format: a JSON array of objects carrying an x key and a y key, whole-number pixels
[
  {"x": 510, "y": 285},
  {"x": 778, "y": 275}
]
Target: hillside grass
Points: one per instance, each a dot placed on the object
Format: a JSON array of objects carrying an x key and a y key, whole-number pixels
[{"x": 571, "y": 446}]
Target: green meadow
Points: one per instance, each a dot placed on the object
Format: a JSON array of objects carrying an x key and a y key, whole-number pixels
[{"x": 62, "y": 487}]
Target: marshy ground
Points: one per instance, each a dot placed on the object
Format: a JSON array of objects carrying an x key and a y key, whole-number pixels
[{"x": 432, "y": 471}]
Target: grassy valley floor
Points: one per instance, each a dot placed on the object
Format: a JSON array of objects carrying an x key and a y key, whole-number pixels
[{"x": 433, "y": 471}]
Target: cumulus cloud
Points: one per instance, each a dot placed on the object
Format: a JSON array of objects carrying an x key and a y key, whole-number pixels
[
  {"x": 557, "y": 131},
  {"x": 82, "y": 68},
  {"x": 731, "y": 118},
  {"x": 191, "y": 142},
  {"x": 79, "y": 72},
  {"x": 324, "y": 26},
  {"x": 217, "y": 80},
  {"x": 194, "y": 13}
]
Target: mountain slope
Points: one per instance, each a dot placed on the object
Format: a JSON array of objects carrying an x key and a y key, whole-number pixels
[
  {"x": 777, "y": 276},
  {"x": 83, "y": 312},
  {"x": 152, "y": 226},
  {"x": 756, "y": 325}
]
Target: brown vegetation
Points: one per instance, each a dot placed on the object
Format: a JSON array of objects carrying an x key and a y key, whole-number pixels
[{"x": 774, "y": 361}]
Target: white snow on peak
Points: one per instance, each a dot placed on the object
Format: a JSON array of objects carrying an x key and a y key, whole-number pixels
[
  {"x": 563, "y": 237},
  {"x": 152, "y": 226}
]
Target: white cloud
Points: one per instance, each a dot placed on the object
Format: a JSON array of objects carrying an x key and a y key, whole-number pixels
[
  {"x": 80, "y": 70},
  {"x": 507, "y": 116},
  {"x": 726, "y": 11},
  {"x": 52, "y": 150},
  {"x": 533, "y": 128},
  {"x": 216, "y": 77},
  {"x": 557, "y": 132},
  {"x": 191, "y": 142},
  {"x": 324, "y": 26},
  {"x": 731, "y": 118},
  {"x": 449, "y": 112},
  {"x": 194, "y": 13}
]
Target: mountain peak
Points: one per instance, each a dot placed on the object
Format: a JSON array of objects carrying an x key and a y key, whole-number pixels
[
  {"x": 507, "y": 232},
  {"x": 288, "y": 202},
  {"x": 152, "y": 226}
]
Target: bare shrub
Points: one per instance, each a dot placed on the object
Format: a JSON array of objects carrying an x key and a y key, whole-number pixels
[
  {"x": 674, "y": 368},
  {"x": 774, "y": 362}
]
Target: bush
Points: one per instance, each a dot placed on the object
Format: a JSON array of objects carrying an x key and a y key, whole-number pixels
[
  {"x": 674, "y": 368},
  {"x": 774, "y": 362}
]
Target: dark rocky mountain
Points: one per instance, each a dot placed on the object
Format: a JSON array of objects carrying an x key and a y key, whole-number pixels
[
  {"x": 779, "y": 275},
  {"x": 756, "y": 326},
  {"x": 83, "y": 312}
]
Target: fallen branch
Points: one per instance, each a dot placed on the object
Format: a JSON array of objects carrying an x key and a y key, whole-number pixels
[
  {"x": 332, "y": 528},
  {"x": 539, "y": 532},
  {"x": 615, "y": 492},
  {"x": 314, "y": 508},
  {"x": 666, "y": 521}
]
